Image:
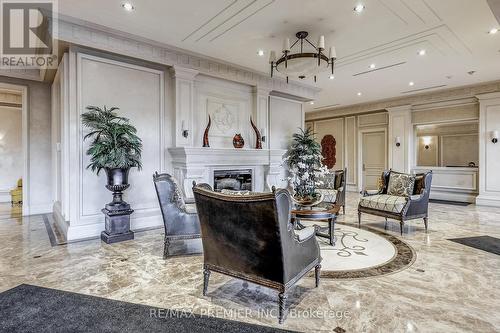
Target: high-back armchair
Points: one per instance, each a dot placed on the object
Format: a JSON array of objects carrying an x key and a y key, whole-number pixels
[
  {"x": 180, "y": 219},
  {"x": 251, "y": 237},
  {"x": 399, "y": 207},
  {"x": 333, "y": 187}
]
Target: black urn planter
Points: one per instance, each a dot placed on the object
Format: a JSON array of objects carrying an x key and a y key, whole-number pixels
[{"x": 117, "y": 212}]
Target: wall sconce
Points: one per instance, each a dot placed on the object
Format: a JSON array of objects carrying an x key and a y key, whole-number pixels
[
  {"x": 185, "y": 132},
  {"x": 398, "y": 141},
  {"x": 427, "y": 142},
  {"x": 263, "y": 134},
  {"x": 494, "y": 136}
]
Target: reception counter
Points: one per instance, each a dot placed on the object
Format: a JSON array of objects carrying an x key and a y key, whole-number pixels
[{"x": 453, "y": 183}]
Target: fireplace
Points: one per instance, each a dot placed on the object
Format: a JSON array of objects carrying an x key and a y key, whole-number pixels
[{"x": 237, "y": 180}]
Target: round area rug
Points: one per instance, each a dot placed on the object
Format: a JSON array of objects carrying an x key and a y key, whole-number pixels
[{"x": 362, "y": 253}]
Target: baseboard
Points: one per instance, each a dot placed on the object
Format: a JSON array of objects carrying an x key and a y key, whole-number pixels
[
  {"x": 5, "y": 196},
  {"x": 93, "y": 230},
  {"x": 453, "y": 196},
  {"x": 38, "y": 209},
  {"x": 483, "y": 200},
  {"x": 59, "y": 218}
]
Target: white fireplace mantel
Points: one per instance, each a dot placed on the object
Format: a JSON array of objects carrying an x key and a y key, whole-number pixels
[{"x": 198, "y": 164}]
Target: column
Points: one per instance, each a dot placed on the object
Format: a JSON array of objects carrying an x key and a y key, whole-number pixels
[
  {"x": 400, "y": 137},
  {"x": 489, "y": 152},
  {"x": 261, "y": 113}
]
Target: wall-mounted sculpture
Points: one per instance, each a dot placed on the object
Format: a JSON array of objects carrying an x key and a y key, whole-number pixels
[
  {"x": 205, "y": 135},
  {"x": 258, "y": 138},
  {"x": 329, "y": 151}
]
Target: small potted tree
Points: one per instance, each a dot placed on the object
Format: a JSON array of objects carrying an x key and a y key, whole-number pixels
[
  {"x": 305, "y": 166},
  {"x": 115, "y": 147}
]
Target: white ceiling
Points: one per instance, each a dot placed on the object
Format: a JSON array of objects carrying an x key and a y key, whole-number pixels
[{"x": 387, "y": 32}]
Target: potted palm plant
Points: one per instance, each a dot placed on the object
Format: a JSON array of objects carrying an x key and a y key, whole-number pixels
[
  {"x": 304, "y": 162},
  {"x": 115, "y": 147}
]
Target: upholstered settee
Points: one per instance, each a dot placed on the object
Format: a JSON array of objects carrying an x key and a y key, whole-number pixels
[
  {"x": 333, "y": 187},
  {"x": 17, "y": 194},
  {"x": 251, "y": 237},
  {"x": 402, "y": 197},
  {"x": 179, "y": 218}
]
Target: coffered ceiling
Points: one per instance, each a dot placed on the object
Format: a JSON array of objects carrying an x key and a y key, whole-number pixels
[{"x": 388, "y": 33}]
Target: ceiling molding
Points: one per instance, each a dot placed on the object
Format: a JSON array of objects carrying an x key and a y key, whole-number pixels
[
  {"x": 417, "y": 99},
  {"x": 78, "y": 32}
]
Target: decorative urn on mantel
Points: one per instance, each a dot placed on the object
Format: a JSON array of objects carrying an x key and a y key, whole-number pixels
[
  {"x": 238, "y": 141},
  {"x": 116, "y": 148}
]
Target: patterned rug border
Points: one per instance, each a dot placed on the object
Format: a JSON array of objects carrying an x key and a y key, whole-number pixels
[{"x": 404, "y": 258}]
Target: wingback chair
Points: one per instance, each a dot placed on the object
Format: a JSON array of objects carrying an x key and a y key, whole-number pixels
[
  {"x": 251, "y": 237},
  {"x": 180, "y": 219},
  {"x": 17, "y": 194},
  {"x": 399, "y": 207},
  {"x": 334, "y": 187}
]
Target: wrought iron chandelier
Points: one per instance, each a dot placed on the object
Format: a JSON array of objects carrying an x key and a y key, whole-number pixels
[{"x": 304, "y": 63}]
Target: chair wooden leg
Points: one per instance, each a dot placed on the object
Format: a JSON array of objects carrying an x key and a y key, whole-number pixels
[
  {"x": 165, "y": 248},
  {"x": 206, "y": 277},
  {"x": 426, "y": 222},
  {"x": 343, "y": 210},
  {"x": 359, "y": 219},
  {"x": 281, "y": 306},
  {"x": 385, "y": 224},
  {"x": 317, "y": 274},
  {"x": 401, "y": 227}
]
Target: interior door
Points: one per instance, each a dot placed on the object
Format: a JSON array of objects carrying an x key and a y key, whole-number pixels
[{"x": 374, "y": 158}]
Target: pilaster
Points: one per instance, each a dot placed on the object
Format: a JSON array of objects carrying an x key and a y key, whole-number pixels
[{"x": 400, "y": 138}]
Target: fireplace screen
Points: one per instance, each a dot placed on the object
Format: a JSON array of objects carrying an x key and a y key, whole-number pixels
[{"x": 236, "y": 180}]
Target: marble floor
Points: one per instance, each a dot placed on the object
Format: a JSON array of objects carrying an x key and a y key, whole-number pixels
[{"x": 449, "y": 288}]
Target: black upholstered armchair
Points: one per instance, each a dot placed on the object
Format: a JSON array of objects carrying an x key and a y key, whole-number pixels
[
  {"x": 333, "y": 187},
  {"x": 251, "y": 237},
  {"x": 401, "y": 208},
  {"x": 180, "y": 219}
]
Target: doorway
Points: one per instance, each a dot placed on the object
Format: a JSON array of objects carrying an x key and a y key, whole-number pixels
[
  {"x": 372, "y": 157},
  {"x": 13, "y": 151}
]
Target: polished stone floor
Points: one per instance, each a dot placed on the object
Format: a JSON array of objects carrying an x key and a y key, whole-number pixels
[{"x": 449, "y": 288}]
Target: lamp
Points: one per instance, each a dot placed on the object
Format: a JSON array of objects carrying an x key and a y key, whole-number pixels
[
  {"x": 494, "y": 136},
  {"x": 263, "y": 134},
  {"x": 185, "y": 132},
  {"x": 427, "y": 142},
  {"x": 398, "y": 141}
]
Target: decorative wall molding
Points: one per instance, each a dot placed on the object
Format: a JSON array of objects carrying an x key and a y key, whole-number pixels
[
  {"x": 416, "y": 100},
  {"x": 87, "y": 34}
]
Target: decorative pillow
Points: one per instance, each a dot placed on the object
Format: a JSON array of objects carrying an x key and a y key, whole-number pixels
[
  {"x": 400, "y": 184},
  {"x": 328, "y": 181}
]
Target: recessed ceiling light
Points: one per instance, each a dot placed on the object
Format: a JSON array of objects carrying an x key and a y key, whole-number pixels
[
  {"x": 359, "y": 94},
  {"x": 493, "y": 31},
  {"x": 331, "y": 77},
  {"x": 422, "y": 52},
  {"x": 311, "y": 102},
  {"x": 359, "y": 8},
  {"x": 411, "y": 83},
  {"x": 372, "y": 66},
  {"x": 260, "y": 53},
  {"x": 128, "y": 6}
]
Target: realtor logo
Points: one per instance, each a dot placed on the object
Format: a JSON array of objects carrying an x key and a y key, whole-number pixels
[{"x": 28, "y": 34}]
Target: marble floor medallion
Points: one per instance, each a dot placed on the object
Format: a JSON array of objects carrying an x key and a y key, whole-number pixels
[{"x": 363, "y": 253}]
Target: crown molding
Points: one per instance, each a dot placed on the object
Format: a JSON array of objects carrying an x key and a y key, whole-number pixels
[
  {"x": 79, "y": 32},
  {"x": 457, "y": 96}
]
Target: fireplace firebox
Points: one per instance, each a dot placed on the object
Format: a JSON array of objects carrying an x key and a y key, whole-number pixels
[{"x": 236, "y": 180}]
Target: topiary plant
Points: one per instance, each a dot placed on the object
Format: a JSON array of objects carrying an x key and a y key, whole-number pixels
[{"x": 115, "y": 143}]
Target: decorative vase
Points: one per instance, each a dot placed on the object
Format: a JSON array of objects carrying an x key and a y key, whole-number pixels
[
  {"x": 117, "y": 212},
  {"x": 238, "y": 141},
  {"x": 205, "y": 134},
  {"x": 258, "y": 138}
]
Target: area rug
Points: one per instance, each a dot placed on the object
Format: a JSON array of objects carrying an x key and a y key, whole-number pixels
[
  {"x": 485, "y": 243},
  {"x": 28, "y": 308},
  {"x": 363, "y": 253}
]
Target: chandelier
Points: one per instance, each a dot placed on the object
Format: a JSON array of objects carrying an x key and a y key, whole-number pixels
[{"x": 304, "y": 63}]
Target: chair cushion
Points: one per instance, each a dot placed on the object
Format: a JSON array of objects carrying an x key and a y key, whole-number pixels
[
  {"x": 385, "y": 202},
  {"x": 190, "y": 208},
  {"x": 304, "y": 233},
  {"x": 233, "y": 192},
  {"x": 328, "y": 195},
  {"x": 400, "y": 184}
]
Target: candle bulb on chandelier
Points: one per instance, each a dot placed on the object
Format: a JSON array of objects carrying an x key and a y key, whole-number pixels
[
  {"x": 321, "y": 43},
  {"x": 286, "y": 45},
  {"x": 333, "y": 53}
]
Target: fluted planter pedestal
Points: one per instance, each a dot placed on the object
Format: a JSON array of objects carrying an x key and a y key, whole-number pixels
[{"x": 117, "y": 213}]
